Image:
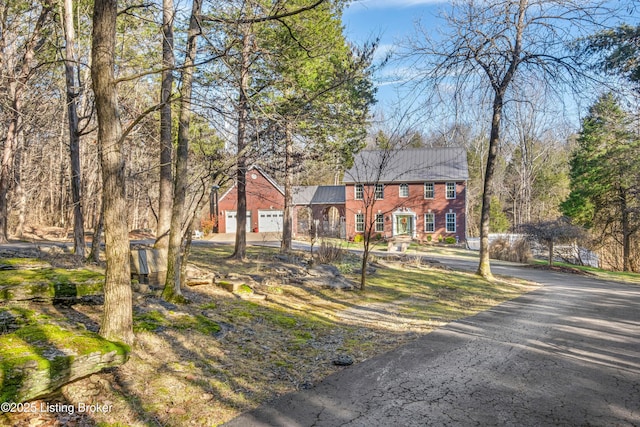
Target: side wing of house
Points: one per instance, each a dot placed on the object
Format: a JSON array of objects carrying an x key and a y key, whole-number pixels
[{"x": 319, "y": 211}]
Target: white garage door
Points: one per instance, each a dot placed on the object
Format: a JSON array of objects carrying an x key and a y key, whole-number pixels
[
  {"x": 270, "y": 221},
  {"x": 232, "y": 221}
]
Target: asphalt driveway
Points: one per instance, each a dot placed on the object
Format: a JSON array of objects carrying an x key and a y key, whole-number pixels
[{"x": 567, "y": 354}]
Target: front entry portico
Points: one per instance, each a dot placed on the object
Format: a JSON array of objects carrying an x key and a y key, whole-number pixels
[{"x": 404, "y": 223}]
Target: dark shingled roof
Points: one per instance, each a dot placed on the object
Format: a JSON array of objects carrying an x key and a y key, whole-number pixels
[
  {"x": 319, "y": 195},
  {"x": 329, "y": 195},
  {"x": 304, "y": 194},
  {"x": 410, "y": 165}
]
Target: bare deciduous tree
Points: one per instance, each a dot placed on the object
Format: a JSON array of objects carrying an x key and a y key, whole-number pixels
[{"x": 498, "y": 46}]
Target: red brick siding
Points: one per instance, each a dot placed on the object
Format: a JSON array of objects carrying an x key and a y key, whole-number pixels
[
  {"x": 415, "y": 203},
  {"x": 261, "y": 195}
]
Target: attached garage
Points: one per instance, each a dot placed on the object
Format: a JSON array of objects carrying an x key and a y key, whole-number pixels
[
  {"x": 270, "y": 221},
  {"x": 232, "y": 221}
]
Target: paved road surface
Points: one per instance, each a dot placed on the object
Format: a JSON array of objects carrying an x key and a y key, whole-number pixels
[{"x": 567, "y": 354}]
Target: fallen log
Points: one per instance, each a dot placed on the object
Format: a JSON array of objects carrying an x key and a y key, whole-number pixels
[{"x": 37, "y": 360}]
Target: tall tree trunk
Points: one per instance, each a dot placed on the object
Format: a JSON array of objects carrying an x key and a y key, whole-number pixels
[
  {"x": 193, "y": 223},
  {"x": 287, "y": 222},
  {"x": 166, "y": 140},
  {"x": 117, "y": 319},
  {"x": 20, "y": 194},
  {"x": 626, "y": 231},
  {"x": 484, "y": 266},
  {"x": 499, "y": 88},
  {"x": 73, "y": 87},
  {"x": 8, "y": 158},
  {"x": 172, "y": 289},
  {"x": 96, "y": 242},
  {"x": 240, "y": 250},
  {"x": 365, "y": 259},
  {"x": 15, "y": 90}
]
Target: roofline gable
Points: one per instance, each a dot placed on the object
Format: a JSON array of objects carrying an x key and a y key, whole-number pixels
[{"x": 264, "y": 175}]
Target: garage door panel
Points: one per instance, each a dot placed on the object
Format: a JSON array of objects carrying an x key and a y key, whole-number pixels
[
  {"x": 270, "y": 221},
  {"x": 231, "y": 222}
]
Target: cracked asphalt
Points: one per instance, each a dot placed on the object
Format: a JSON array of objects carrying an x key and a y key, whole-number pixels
[{"x": 566, "y": 354}]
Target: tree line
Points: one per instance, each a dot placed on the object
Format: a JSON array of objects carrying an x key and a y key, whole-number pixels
[{"x": 120, "y": 115}]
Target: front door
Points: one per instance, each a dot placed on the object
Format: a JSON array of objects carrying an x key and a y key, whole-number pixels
[{"x": 404, "y": 225}]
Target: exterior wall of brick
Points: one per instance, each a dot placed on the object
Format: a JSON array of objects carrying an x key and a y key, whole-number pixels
[
  {"x": 261, "y": 195},
  {"x": 412, "y": 209}
]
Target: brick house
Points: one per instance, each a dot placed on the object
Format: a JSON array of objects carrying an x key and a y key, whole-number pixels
[
  {"x": 265, "y": 204},
  {"x": 418, "y": 193}
]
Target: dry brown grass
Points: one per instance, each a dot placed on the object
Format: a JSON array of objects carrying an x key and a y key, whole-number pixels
[
  {"x": 518, "y": 251},
  {"x": 184, "y": 372}
]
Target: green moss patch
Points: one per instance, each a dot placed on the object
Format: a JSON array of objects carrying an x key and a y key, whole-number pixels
[
  {"x": 244, "y": 289},
  {"x": 149, "y": 321},
  {"x": 49, "y": 283},
  {"x": 152, "y": 321},
  {"x": 22, "y": 263},
  {"x": 282, "y": 320},
  {"x": 37, "y": 359},
  {"x": 198, "y": 323}
]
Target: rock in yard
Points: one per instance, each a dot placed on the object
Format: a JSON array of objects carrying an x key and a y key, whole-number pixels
[
  {"x": 324, "y": 270},
  {"x": 343, "y": 360},
  {"x": 326, "y": 282},
  {"x": 197, "y": 276}
]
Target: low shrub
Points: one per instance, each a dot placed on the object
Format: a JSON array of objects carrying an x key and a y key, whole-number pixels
[
  {"x": 329, "y": 253},
  {"x": 207, "y": 225},
  {"x": 358, "y": 238},
  {"x": 450, "y": 240},
  {"x": 503, "y": 250}
]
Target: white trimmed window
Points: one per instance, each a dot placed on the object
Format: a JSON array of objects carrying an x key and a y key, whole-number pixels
[
  {"x": 429, "y": 222},
  {"x": 359, "y": 223},
  {"x": 404, "y": 190},
  {"x": 359, "y": 191},
  {"x": 429, "y": 190},
  {"x": 379, "y": 191},
  {"x": 451, "y": 222},
  {"x": 379, "y": 223},
  {"x": 451, "y": 190}
]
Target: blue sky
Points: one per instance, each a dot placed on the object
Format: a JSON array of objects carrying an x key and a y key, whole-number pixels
[{"x": 391, "y": 21}]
